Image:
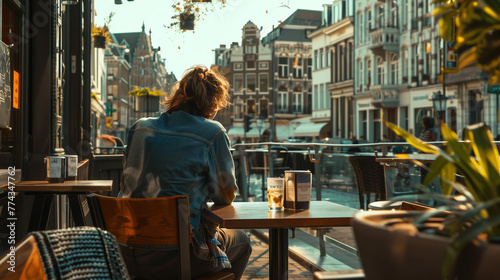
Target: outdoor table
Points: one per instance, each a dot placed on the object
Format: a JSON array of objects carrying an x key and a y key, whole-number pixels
[
  {"x": 254, "y": 215},
  {"x": 45, "y": 191},
  {"x": 392, "y": 162}
]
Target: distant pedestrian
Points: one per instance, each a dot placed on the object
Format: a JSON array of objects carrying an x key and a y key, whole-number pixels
[
  {"x": 430, "y": 133},
  {"x": 353, "y": 150}
]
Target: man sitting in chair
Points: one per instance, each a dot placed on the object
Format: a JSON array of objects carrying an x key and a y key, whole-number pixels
[{"x": 186, "y": 152}]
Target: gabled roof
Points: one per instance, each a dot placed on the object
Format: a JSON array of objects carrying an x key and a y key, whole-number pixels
[
  {"x": 303, "y": 17},
  {"x": 132, "y": 38}
]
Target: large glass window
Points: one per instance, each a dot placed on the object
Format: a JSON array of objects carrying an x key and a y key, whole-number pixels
[
  {"x": 316, "y": 60},
  {"x": 381, "y": 17},
  {"x": 297, "y": 103},
  {"x": 394, "y": 13},
  {"x": 316, "y": 98},
  {"x": 380, "y": 71},
  {"x": 263, "y": 82},
  {"x": 251, "y": 83},
  {"x": 321, "y": 59},
  {"x": 264, "y": 108},
  {"x": 428, "y": 58},
  {"x": 10, "y": 138},
  {"x": 283, "y": 67},
  {"x": 238, "y": 109},
  {"x": 251, "y": 106},
  {"x": 369, "y": 72},
  {"x": 394, "y": 69},
  {"x": 297, "y": 67},
  {"x": 282, "y": 105},
  {"x": 238, "y": 83},
  {"x": 309, "y": 68},
  {"x": 251, "y": 49}
]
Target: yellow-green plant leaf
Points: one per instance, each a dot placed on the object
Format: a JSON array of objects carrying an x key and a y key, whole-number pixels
[
  {"x": 493, "y": 7},
  {"x": 486, "y": 152},
  {"x": 412, "y": 140},
  {"x": 434, "y": 170},
  {"x": 466, "y": 58},
  {"x": 447, "y": 176}
]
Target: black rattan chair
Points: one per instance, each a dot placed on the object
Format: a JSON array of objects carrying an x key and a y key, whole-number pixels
[{"x": 369, "y": 179}]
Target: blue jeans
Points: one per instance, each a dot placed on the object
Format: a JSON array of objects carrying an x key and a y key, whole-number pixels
[{"x": 163, "y": 264}]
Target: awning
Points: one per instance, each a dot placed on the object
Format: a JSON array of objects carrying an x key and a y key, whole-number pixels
[
  {"x": 237, "y": 131},
  {"x": 308, "y": 129},
  {"x": 98, "y": 107},
  {"x": 283, "y": 132}
]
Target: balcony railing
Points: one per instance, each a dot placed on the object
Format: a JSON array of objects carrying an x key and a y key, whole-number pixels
[
  {"x": 384, "y": 39},
  {"x": 385, "y": 96}
]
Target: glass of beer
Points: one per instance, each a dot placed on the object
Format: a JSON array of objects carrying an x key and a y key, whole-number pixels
[{"x": 276, "y": 193}]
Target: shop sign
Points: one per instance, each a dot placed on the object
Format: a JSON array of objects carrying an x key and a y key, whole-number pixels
[{"x": 5, "y": 86}]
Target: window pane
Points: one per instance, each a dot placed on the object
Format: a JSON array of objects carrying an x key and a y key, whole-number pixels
[
  {"x": 263, "y": 80},
  {"x": 238, "y": 83},
  {"x": 250, "y": 82}
]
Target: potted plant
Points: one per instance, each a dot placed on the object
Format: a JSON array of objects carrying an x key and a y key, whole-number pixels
[
  {"x": 186, "y": 21},
  {"x": 456, "y": 239},
  {"x": 188, "y": 12},
  {"x": 146, "y": 100},
  {"x": 100, "y": 34}
]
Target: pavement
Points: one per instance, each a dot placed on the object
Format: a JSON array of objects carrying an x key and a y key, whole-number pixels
[{"x": 304, "y": 254}]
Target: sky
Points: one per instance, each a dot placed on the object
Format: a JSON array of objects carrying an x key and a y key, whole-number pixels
[{"x": 221, "y": 26}]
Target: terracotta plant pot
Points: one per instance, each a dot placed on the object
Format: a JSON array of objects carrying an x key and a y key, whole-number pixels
[
  {"x": 186, "y": 21},
  {"x": 392, "y": 252},
  {"x": 99, "y": 41}
]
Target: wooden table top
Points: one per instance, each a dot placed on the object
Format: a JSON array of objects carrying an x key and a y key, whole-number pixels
[
  {"x": 66, "y": 186},
  {"x": 243, "y": 215},
  {"x": 426, "y": 158}
]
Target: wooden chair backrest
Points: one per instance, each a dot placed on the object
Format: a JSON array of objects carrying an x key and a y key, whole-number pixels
[
  {"x": 158, "y": 221},
  {"x": 27, "y": 261},
  {"x": 83, "y": 170},
  {"x": 143, "y": 221}
]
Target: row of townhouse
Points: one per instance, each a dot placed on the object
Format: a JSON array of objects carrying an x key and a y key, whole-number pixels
[
  {"x": 382, "y": 61},
  {"x": 276, "y": 67},
  {"x": 346, "y": 69}
]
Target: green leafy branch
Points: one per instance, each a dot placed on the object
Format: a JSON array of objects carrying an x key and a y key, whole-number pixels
[{"x": 474, "y": 23}]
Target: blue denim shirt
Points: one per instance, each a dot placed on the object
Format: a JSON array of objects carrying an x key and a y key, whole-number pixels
[{"x": 180, "y": 154}]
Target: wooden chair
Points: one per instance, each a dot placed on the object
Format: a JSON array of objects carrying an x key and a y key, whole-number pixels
[
  {"x": 369, "y": 179},
  {"x": 74, "y": 253},
  {"x": 28, "y": 263},
  {"x": 155, "y": 222}
]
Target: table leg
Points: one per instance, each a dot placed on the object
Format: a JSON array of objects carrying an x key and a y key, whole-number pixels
[
  {"x": 80, "y": 209},
  {"x": 40, "y": 212},
  {"x": 278, "y": 253}
]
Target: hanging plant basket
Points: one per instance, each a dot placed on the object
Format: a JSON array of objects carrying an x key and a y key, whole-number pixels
[
  {"x": 147, "y": 103},
  {"x": 187, "y": 21},
  {"x": 100, "y": 41}
]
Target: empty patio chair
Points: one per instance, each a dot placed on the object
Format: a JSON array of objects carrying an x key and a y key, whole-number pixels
[{"x": 369, "y": 179}]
